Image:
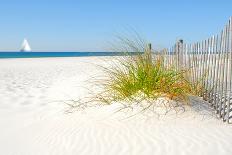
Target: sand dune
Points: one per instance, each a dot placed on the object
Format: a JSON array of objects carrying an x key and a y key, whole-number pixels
[{"x": 33, "y": 119}]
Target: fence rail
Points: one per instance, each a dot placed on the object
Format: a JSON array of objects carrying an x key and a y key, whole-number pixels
[{"x": 210, "y": 63}]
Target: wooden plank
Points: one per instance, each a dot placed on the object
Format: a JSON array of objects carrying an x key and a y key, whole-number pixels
[
  {"x": 230, "y": 70},
  {"x": 214, "y": 71},
  {"x": 201, "y": 64},
  {"x": 189, "y": 61},
  {"x": 223, "y": 75},
  {"x": 185, "y": 56},
  {"x": 198, "y": 63},
  {"x": 194, "y": 63},
  {"x": 218, "y": 103},
  {"x": 210, "y": 86},
  {"x": 225, "y": 89},
  {"x": 169, "y": 57},
  {"x": 208, "y": 68},
  {"x": 204, "y": 66}
]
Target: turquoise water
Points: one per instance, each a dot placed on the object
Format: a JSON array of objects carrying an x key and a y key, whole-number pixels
[{"x": 60, "y": 54}]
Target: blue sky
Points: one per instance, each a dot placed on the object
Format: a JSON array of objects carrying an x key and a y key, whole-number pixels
[{"x": 84, "y": 25}]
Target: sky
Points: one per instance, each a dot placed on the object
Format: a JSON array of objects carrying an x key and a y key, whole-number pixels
[{"x": 92, "y": 25}]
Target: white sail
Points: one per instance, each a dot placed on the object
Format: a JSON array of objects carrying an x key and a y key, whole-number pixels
[{"x": 25, "y": 46}]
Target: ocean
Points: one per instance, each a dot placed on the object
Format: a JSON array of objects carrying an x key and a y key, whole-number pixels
[{"x": 60, "y": 54}]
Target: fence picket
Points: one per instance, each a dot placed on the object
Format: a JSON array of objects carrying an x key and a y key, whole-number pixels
[{"x": 210, "y": 65}]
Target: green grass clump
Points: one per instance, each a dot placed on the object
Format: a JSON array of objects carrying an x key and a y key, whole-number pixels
[{"x": 140, "y": 77}]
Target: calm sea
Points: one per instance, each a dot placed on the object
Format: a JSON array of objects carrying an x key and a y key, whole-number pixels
[{"x": 60, "y": 54}]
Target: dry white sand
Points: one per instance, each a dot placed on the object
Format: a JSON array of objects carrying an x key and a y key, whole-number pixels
[{"x": 33, "y": 119}]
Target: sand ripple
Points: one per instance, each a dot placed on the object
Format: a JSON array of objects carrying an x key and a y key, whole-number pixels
[{"x": 33, "y": 122}]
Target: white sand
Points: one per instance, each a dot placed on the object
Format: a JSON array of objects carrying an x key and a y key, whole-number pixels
[{"x": 33, "y": 119}]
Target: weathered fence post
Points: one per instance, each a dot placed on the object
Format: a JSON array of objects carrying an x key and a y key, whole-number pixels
[
  {"x": 149, "y": 47},
  {"x": 180, "y": 54},
  {"x": 149, "y": 52}
]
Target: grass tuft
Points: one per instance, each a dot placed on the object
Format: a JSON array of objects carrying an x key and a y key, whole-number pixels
[
  {"x": 143, "y": 79},
  {"x": 137, "y": 77},
  {"x": 147, "y": 77}
]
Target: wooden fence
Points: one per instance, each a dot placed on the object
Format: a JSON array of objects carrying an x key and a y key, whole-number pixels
[{"x": 210, "y": 64}]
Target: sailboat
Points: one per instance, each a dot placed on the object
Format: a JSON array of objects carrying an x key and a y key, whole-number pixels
[{"x": 25, "y": 46}]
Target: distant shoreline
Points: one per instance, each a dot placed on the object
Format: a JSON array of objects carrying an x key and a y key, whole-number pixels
[{"x": 61, "y": 54}]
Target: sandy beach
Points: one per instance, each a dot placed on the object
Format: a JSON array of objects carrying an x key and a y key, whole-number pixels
[{"x": 34, "y": 118}]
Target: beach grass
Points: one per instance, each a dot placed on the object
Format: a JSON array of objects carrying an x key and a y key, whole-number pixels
[
  {"x": 139, "y": 77},
  {"x": 145, "y": 77}
]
